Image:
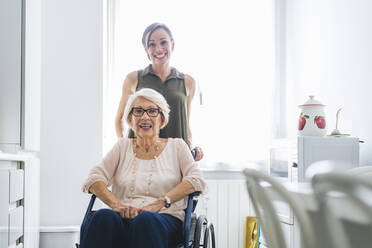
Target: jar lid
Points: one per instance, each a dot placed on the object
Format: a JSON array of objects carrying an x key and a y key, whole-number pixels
[{"x": 312, "y": 102}]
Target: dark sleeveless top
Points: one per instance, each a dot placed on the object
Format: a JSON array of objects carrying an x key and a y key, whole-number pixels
[{"x": 174, "y": 92}]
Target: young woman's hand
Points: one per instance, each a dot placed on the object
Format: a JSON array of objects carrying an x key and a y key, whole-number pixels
[{"x": 198, "y": 153}]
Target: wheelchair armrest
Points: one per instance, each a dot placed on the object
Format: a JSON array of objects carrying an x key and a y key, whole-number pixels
[
  {"x": 189, "y": 210},
  {"x": 89, "y": 209},
  {"x": 196, "y": 193}
]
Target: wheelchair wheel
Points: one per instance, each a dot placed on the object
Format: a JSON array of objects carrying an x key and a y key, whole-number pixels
[
  {"x": 199, "y": 230},
  {"x": 209, "y": 237},
  {"x": 204, "y": 234}
]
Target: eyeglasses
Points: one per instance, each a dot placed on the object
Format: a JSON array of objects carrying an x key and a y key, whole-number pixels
[{"x": 152, "y": 112}]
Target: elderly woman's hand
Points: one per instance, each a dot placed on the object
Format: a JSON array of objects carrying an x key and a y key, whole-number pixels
[
  {"x": 126, "y": 212},
  {"x": 154, "y": 206}
]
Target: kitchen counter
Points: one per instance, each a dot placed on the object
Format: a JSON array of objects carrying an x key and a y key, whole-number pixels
[{"x": 21, "y": 156}]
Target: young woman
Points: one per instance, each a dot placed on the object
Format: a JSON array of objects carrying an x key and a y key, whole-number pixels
[{"x": 177, "y": 88}]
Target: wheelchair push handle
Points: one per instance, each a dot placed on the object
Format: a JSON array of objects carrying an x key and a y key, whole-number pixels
[{"x": 193, "y": 153}]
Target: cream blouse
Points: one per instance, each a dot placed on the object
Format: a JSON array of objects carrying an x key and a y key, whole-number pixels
[{"x": 139, "y": 182}]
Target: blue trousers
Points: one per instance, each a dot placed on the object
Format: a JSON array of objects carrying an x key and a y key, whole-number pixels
[{"x": 106, "y": 229}]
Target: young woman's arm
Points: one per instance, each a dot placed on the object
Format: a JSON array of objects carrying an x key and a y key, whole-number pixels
[
  {"x": 129, "y": 87},
  {"x": 190, "y": 91}
]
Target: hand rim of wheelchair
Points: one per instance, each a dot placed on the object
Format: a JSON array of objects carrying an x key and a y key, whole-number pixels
[{"x": 203, "y": 224}]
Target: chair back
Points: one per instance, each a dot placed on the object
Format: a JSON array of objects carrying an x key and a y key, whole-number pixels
[
  {"x": 263, "y": 190},
  {"x": 342, "y": 197},
  {"x": 362, "y": 171}
]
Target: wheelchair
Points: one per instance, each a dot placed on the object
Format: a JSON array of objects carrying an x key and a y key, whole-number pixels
[{"x": 198, "y": 231}]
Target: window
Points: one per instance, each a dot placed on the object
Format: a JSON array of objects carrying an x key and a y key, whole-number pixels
[{"x": 228, "y": 47}]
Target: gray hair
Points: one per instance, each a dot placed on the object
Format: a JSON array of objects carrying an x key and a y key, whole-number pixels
[{"x": 153, "y": 96}]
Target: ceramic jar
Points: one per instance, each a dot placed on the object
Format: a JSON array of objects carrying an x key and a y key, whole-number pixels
[{"x": 312, "y": 121}]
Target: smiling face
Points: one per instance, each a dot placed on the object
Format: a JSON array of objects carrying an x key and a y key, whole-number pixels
[
  {"x": 160, "y": 47},
  {"x": 145, "y": 126}
]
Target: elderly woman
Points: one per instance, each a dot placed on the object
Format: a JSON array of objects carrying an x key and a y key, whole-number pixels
[{"x": 150, "y": 179}]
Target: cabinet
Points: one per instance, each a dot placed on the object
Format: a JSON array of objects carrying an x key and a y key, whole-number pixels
[
  {"x": 20, "y": 73},
  {"x": 289, "y": 160},
  {"x": 11, "y": 203},
  {"x": 19, "y": 200}
]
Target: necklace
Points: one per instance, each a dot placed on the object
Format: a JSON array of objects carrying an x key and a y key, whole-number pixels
[{"x": 137, "y": 147}]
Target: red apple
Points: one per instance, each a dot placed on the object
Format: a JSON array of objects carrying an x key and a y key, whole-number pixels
[
  {"x": 320, "y": 122},
  {"x": 302, "y": 121}
]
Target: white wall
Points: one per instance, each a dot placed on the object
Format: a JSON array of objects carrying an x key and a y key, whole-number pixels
[
  {"x": 329, "y": 51},
  {"x": 71, "y": 105}
]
